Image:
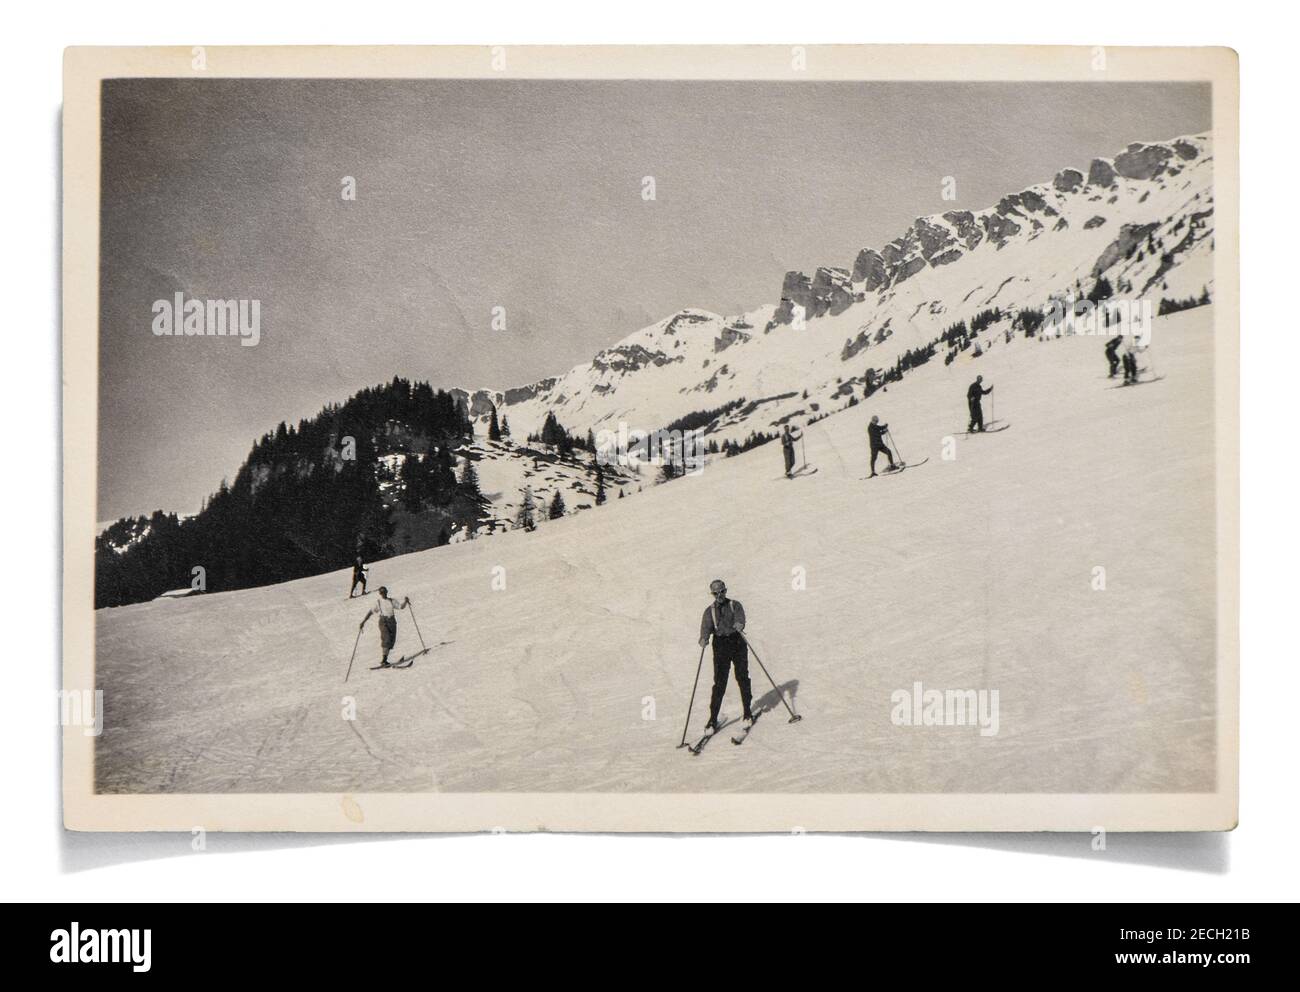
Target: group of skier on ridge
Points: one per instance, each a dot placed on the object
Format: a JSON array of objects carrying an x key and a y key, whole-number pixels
[{"x": 878, "y": 433}]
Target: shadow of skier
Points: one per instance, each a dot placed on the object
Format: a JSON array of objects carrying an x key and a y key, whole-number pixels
[{"x": 770, "y": 700}]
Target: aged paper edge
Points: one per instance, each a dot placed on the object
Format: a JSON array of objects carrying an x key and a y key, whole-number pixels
[{"x": 86, "y": 68}]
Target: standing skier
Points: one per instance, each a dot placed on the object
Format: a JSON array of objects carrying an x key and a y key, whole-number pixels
[
  {"x": 1112, "y": 353},
  {"x": 386, "y": 609},
  {"x": 876, "y": 432},
  {"x": 358, "y": 575},
  {"x": 1131, "y": 355},
  {"x": 973, "y": 396},
  {"x": 788, "y": 438},
  {"x": 724, "y": 619}
]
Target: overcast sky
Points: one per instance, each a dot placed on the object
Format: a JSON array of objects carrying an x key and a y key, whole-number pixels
[{"x": 520, "y": 194}]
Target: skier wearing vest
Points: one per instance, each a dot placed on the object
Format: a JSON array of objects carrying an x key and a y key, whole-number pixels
[
  {"x": 788, "y": 438},
  {"x": 973, "y": 396},
  {"x": 876, "y": 432},
  {"x": 724, "y": 620},
  {"x": 358, "y": 576},
  {"x": 1135, "y": 350},
  {"x": 386, "y": 609}
]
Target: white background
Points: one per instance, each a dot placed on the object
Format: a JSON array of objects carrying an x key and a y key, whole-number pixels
[{"x": 39, "y": 861}]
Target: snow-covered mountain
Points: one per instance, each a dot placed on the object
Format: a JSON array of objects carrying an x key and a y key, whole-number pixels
[{"x": 1143, "y": 221}]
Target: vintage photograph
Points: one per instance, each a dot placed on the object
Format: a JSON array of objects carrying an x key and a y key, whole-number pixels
[{"x": 784, "y": 445}]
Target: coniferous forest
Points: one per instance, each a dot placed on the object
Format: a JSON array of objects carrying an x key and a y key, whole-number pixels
[{"x": 307, "y": 499}]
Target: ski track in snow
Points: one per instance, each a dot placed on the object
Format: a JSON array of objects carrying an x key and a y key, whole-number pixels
[{"x": 973, "y": 573}]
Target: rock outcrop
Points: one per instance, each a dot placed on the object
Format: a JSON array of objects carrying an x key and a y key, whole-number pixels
[
  {"x": 1143, "y": 161},
  {"x": 869, "y": 269},
  {"x": 1101, "y": 173}
]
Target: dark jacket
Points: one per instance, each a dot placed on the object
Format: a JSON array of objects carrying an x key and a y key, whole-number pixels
[
  {"x": 975, "y": 392},
  {"x": 877, "y": 434},
  {"x": 722, "y": 620}
]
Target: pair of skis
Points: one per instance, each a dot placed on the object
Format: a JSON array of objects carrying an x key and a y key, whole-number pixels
[
  {"x": 898, "y": 469},
  {"x": 992, "y": 427},
  {"x": 736, "y": 739},
  {"x": 407, "y": 660}
]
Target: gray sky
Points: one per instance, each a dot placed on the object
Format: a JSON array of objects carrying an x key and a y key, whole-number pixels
[{"x": 522, "y": 194}]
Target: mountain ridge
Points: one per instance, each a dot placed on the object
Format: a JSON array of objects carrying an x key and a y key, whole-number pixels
[{"x": 1083, "y": 213}]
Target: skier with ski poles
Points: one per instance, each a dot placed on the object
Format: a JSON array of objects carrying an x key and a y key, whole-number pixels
[
  {"x": 1112, "y": 354},
  {"x": 788, "y": 438},
  {"x": 724, "y": 621},
  {"x": 386, "y": 609},
  {"x": 876, "y": 432},
  {"x": 973, "y": 396},
  {"x": 1139, "y": 350},
  {"x": 1131, "y": 354},
  {"x": 358, "y": 576}
]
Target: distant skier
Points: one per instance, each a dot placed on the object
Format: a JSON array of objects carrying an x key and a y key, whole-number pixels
[
  {"x": 386, "y": 609},
  {"x": 876, "y": 432},
  {"x": 723, "y": 620},
  {"x": 973, "y": 396},
  {"x": 358, "y": 576},
  {"x": 1131, "y": 355},
  {"x": 1112, "y": 353},
  {"x": 788, "y": 438}
]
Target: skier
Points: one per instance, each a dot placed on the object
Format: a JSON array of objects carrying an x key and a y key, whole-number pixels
[
  {"x": 788, "y": 438},
  {"x": 876, "y": 432},
  {"x": 973, "y": 395},
  {"x": 358, "y": 575},
  {"x": 1131, "y": 354},
  {"x": 386, "y": 609},
  {"x": 1112, "y": 353},
  {"x": 724, "y": 619}
]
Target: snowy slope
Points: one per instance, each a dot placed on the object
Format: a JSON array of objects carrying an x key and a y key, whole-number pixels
[
  {"x": 973, "y": 573},
  {"x": 1049, "y": 240},
  {"x": 507, "y": 470}
]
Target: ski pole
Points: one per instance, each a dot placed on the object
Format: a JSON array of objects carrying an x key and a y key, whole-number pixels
[
  {"x": 896, "y": 450},
  {"x": 993, "y": 409},
  {"x": 354, "y": 654},
  {"x": 417, "y": 625},
  {"x": 691, "y": 705},
  {"x": 794, "y": 717},
  {"x": 803, "y": 450}
]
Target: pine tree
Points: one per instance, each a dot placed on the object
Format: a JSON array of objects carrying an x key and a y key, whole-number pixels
[
  {"x": 494, "y": 428},
  {"x": 600, "y": 484},
  {"x": 413, "y": 478},
  {"x": 524, "y": 519},
  {"x": 469, "y": 481},
  {"x": 440, "y": 475},
  {"x": 552, "y": 432},
  {"x": 557, "y": 507},
  {"x": 505, "y": 427}
]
